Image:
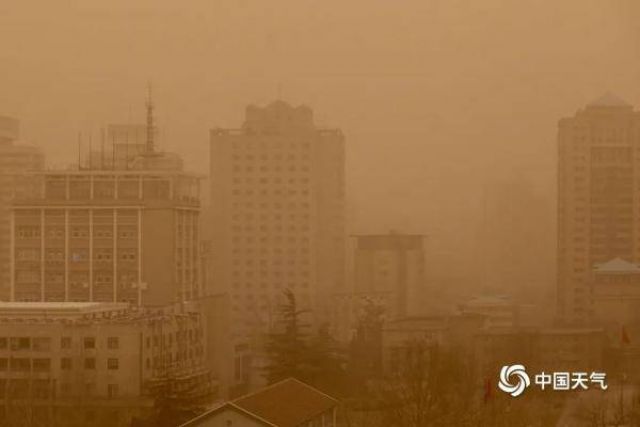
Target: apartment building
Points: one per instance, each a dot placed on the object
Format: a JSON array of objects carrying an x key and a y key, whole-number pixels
[
  {"x": 598, "y": 194},
  {"x": 277, "y": 185}
]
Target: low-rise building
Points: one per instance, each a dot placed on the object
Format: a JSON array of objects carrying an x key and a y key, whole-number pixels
[
  {"x": 540, "y": 349},
  {"x": 397, "y": 336},
  {"x": 288, "y": 403},
  {"x": 80, "y": 362},
  {"x": 615, "y": 289},
  {"x": 615, "y": 292},
  {"x": 500, "y": 311}
]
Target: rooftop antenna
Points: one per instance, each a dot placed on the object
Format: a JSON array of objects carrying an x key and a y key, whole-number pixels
[
  {"x": 126, "y": 150},
  {"x": 79, "y": 150},
  {"x": 102, "y": 137},
  {"x": 113, "y": 151},
  {"x": 90, "y": 152},
  {"x": 150, "y": 143}
]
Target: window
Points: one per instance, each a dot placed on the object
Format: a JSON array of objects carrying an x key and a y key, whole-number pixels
[
  {"x": 65, "y": 342},
  {"x": 112, "y": 363},
  {"x": 65, "y": 363},
  {"x": 19, "y": 388},
  {"x": 20, "y": 343},
  {"x": 4, "y": 364},
  {"x": 20, "y": 364},
  {"x": 41, "y": 389},
  {"x": 90, "y": 388},
  {"x": 112, "y": 390},
  {"x": 42, "y": 344},
  {"x": 65, "y": 389},
  {"x": 90, "y": 363},
  {"x": 3, "y": 343},
  {"x": 113, "y": 343},
  {"x": 89, "y": 342},
  {"x": 41, "y": 365}
]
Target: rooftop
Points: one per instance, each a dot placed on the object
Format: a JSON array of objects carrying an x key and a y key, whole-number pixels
[
  {"x": 37, "y": 311},
  {"x": 66, "y": 307},
  {"x": 609, "y": 100},
  {"x": 488, "y": 301},
  {"x": 288, "y": 403},
  {"x": 303, "y": 402},
  {"x": 616, "y": 266}
]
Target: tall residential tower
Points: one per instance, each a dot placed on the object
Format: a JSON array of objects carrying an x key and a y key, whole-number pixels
[
  {"x": 598, "y": 198},
  {"x": 277, "y": 192}
]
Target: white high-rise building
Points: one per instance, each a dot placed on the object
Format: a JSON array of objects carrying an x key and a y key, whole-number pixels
[{"x": 278, "y": 214}]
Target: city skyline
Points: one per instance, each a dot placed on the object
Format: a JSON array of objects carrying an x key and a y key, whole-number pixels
[{"x": 320, "y": 213}]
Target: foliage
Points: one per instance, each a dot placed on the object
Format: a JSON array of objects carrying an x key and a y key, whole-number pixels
[{"x": 294, "y": 352}]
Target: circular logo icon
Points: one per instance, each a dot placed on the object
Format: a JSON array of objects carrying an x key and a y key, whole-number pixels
[{"x": 518, "y": 373}]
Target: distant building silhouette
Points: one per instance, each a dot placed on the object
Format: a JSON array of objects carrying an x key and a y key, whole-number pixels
[
  {"x": 16, "y": 160},
  {"x": 598, "y": 189},
  {"x": 391, "y": 268},
  {"x": 277, "y": 221}
]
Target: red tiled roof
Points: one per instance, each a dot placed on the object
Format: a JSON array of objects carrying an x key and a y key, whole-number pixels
[
  {"x": 202, "y": 418},
  {"x": 288, "y": 403}
]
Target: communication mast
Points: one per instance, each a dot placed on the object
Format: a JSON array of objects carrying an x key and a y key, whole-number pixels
[{"x": 150, "y": 148}]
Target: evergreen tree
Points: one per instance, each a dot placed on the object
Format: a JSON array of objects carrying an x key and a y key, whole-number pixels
[
  {"x": 327, "y": 363},
  {"x": 287, "y": 347},
  {"x": 293, "y": 352}
]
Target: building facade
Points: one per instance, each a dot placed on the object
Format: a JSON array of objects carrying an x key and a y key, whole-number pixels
[
  {"x": 15, "y": 161},
  {"x": 391, "y": 268},
  {"x": 499, "y": 311},
  {"x": 101, "y": 235},
  {"x": 96, "y": 363},
  {"x": 598, "y": 195},
  {"x": 277, "y": 185}
]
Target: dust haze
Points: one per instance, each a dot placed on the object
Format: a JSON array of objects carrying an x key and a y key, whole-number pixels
[{"x": 438, "y": 99}]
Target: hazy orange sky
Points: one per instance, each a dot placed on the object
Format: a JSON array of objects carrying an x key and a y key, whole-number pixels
[{"x": 432, "y": 94}]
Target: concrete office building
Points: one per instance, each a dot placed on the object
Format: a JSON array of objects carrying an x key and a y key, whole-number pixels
[
  {"x": 16, "y": 159},
  {"x": 598, "y": 193},
  {"x": 98, "y": 235},
  {"x": 101, "y": 233},
  {"x": 388, "y": 271},
  {"x": 78, "y": 363},
  {"x": 391, "y": 268},
  {"x": 277, "y": 185}
]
